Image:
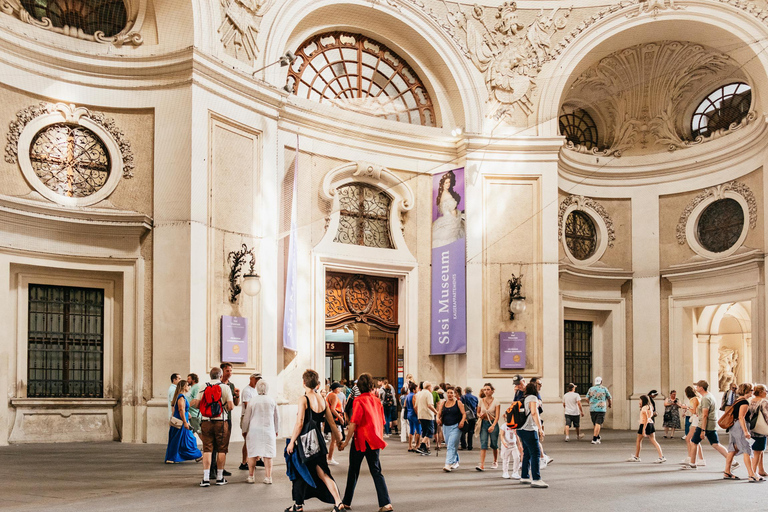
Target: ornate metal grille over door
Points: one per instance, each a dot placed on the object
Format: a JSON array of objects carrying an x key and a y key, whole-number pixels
[
  {"x": 364, "y": 216},
  {"x": 580, "y": 235},
  {"x": 578, "y": 354},
  {"x": 65, "y": 342}
]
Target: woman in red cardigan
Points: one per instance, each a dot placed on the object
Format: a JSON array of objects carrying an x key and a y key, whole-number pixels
[{"x": 366, "y": 433}]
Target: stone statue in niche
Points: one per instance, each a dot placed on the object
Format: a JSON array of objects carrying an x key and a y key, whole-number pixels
[
  {"x": 726, "y": 374},
  {"x": 510, "y": 53}
]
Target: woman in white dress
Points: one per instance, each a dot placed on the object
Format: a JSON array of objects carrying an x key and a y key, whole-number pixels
[
  {"x": 449, "y": 225},
  {"x": 260, "y": 423}
]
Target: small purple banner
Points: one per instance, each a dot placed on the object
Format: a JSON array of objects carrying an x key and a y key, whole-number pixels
[
  {"x": 512, "y": 350},
  {"x": 234, "y": 339},
  {"x": 449, "y": 256}
]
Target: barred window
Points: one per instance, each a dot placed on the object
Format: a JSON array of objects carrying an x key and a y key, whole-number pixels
[
  {"x": 65, "y": 342},
  {"x": 579, "y": 128},
  {"x": 356, "y": 73},
  {"x": 580, "y": 235},
  {"x": 722, "y": 108},
  {"x": 720, "y": 225},
  {"x": 364, "y": 216},
  {"x": 90, "y": 16}
]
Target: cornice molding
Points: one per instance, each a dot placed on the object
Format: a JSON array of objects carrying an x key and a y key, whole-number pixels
[{"x": 735, "y": 264}]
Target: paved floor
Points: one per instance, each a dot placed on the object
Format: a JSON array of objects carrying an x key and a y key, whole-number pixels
[{"x": 121, "y": 477}]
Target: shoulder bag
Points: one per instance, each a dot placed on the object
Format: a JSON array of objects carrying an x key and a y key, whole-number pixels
[
  {"x": 176, "y": 422},
  {"x": 761, "y": 427}
]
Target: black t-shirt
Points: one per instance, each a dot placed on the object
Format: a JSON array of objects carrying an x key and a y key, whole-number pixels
[{"x": 737, "y": 405}]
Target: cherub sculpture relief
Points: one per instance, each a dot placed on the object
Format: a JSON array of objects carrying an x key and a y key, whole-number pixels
[{"x": 728, "y": 361}]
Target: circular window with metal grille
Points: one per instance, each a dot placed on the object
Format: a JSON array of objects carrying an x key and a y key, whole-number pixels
[
  {"x": 727, "y": 105},
  {"x": 720, "y": 225},
  {"x": 579, "y": 128},
  {"x": 91, "y": 16},
  {"x": 356, "y": 73},
  {"x": 70, "y": 160},
  {"x": 580, "y": 235}
]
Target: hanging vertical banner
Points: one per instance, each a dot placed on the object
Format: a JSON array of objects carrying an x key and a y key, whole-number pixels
[
  {"x": 289, "y": 317},
  {"x": 449, "y": 254}
]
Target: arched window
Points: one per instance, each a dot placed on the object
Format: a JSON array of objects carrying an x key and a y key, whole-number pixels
[
  {"x": 579, "y": 128},
  {"x": 720, "y": 109},
  {"x": 357, "y": 73},
  {"x": 720, "y": 225},
  {"x": 364, "y": 216},
  {"x": 580, "y": 235},
  {"x": 90, "y": 16}
]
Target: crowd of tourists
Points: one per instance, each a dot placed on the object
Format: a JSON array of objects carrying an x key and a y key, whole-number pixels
[{"x": 362, "y": 414}]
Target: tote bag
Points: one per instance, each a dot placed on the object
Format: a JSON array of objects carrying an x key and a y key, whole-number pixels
[
  {"x": 308, "y": 441},
  {"x": 761, "y": 427}
]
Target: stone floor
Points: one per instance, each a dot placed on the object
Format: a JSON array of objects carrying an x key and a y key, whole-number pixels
[{"x": 122, "y": 477}]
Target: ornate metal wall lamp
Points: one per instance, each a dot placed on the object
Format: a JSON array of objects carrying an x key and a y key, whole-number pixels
[
  {"x": 516, "y": 298},
  {"x": 250, "y": 281}
]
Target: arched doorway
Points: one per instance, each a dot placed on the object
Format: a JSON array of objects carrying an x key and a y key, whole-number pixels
[{"x": 361, "y": 327}]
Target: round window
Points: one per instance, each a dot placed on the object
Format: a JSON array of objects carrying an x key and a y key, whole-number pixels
[
  {"x": 70, "y": 160},
  {"x": 580, "y": 235},
  {"x": 720, "y": 225}
]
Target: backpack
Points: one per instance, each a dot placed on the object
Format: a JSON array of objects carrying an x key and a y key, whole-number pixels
[
  {"x": 469, "y": 410},
  {"x": 210, "y": 403},
  {"x": 516, "y": 416},
  {"x": 389, "y": 399},
  {"x": 727, "y": 420}
]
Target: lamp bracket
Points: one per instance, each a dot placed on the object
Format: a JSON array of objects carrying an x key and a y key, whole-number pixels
[{"x": 236, "y": 261}]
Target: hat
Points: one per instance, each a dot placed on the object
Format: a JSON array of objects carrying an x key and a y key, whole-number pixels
[
  {"x": 256, "y": 375},
  {"x": 335, "y": 386},
  {"x": 517, "y": 379},
  {"x": 598, "y": 381}
]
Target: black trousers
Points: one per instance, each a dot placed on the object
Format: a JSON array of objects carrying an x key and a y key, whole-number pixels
[
  {"x": 355, "y": 460},
  {"x": 467, "y": 434}
]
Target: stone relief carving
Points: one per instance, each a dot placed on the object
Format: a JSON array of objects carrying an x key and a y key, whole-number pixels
[
  {"x": 130, "y": 35},
  {"x": 71, "y": 114},
  {"x": 728, "y": 362},
  {"x": 510, "y": 53},
  {"x": 717, "y": 192},
  {"x": 583, "y": 203},
  {"x": 240, "y": 27},
  {"x": 653, "y": 7},
  {"x": 641, "y": 89}
]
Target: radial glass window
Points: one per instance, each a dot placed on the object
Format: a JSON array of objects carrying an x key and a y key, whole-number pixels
[
  {"x": 70, "y": 160},
  {"x": 720, "y": 225},
  {"x": 90, "y": 16},
  {"x": 579, "y": 128},
  {"x": 356, "y": 73},
  {"x": 580, "y": 235},
  {"x": 364, "y": 216},
  {"x": 722, "y": 108}
]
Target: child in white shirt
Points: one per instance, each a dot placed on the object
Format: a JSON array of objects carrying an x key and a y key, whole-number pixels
[{"x": 509, "y": 449}]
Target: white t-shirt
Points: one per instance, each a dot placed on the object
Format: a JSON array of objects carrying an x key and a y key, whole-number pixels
[
  {"x": 246, "y": 395},
  {"x": 509, "y": 434},
  {"x": 571, "y": 401},
  {"x": 423, "y": 400}
]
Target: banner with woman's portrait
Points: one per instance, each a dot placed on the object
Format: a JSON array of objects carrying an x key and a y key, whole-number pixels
[{"x": 449, "y": 253}]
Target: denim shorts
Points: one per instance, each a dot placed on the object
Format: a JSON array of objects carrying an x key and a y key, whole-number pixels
[
  {"x": 759, "y": 444},
  {"x": 487, "y": 438},
  {"x": 711, "y": 436}
]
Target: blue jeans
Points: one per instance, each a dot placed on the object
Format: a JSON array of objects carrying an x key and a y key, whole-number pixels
[
  {"x": 452, "y": 434},
  {"x": 687, "y": 425},
  {"x": 489, "y": 438},
  {"x": 531, "y": 453}
]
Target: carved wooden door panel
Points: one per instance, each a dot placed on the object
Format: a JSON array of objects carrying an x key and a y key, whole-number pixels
[{"x": 360, "y": 298}]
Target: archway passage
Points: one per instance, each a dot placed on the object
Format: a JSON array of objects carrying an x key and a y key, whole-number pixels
[{"x": 361, "y": 325}]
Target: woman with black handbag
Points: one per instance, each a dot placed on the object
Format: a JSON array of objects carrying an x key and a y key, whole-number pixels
[{"x": 307, "y": 440}]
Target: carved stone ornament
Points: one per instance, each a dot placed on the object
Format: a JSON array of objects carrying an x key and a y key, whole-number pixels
[
  {"x": 583, "y": 203},
  {"x": 728, "y": 362},
  {"x": 717, "y": 192},
  {"x": 130, "y": 35},
  {"x": 653, "y": 7},
  {"x": 71, "y": 114},
  {"x": 240, "y": 27}
]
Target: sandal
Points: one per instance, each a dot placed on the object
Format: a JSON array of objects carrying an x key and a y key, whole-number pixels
[
  {"x": 385, "y": 509},
  {"x": 729, "y": 476},
  {"x": 294, "y": 508},
  {"x": 753, "y": 479},
  {"x": 479, "y": 468}
]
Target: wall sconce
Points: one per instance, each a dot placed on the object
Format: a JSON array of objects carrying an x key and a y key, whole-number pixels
[
  {"x": 284, "y": 60},
  {"x": 250, "y": 282},
  {"x": 516, "y": 299}
]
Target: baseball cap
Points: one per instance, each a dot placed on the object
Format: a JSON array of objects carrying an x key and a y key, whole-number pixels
[
  {"x": 517, "y": 380},
  {"x": 256, "y": 375},
  {"x": 598, "y": 381}
]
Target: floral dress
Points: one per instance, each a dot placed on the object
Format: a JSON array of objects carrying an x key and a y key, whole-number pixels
[{"x": 672, "y": 416}]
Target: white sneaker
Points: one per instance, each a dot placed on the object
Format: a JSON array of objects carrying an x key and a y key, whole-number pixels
[
  {"x": 595, "y": 441},
  {"x": 703, "y": 463},
  {"x": 685, "y": 461},
  {"x": 505, "y": 475},
  {"x": 515, "y": 476},
  {"x": 581, "y": 436},
  {"x": 567, "y": 439},
  {"x": 733, "y": 466},
  {"x": 332, "y": 462},
  {"x": 455, "y": 465},
  {"x": 447, "y": 469},
  {"x": 599, "y": 441},
  {"x": 542, "y": 463},
  {"x": 541, "y": 484},
  {"x": 633, "y": 459},
  {"x": 683, "y": 438},
  {"x": 660, "y": 460},
  {"x": 495, "y": 465},
  {"x": 688, "y": 466},
  {"x": 525, "y": 480},
  {"x": 549, "y": 459},
  {"x": 267, "y": 480},
  {"x": 250, "y": 479}
]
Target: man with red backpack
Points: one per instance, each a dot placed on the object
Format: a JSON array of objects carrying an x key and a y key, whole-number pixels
[{"x": 215, "y": 403}]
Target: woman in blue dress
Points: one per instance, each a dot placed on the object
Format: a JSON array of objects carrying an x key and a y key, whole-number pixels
[{"x": 181, "y": 441}]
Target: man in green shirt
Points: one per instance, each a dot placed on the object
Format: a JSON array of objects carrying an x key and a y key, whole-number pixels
[
  {"x": 194, "y": 394},
  {"x": 707, "y": 415}
]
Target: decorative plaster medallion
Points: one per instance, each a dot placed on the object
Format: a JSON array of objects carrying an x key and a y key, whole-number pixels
[
  {"x": 240, "y": 27},
  {"x": 687, "y": 224},
  {"x": 602, "y": 220},
  {"x": 129, "y": 35},
  {"x": 34, "y": 119}
]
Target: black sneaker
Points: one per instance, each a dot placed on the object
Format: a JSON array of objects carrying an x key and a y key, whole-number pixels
[
  {"x": 425, "y": 453},
  {"x": 226, "y": 473},
  {"x": 223, "y": 481},
  {"x": 260, "y": 463},
  {"x": 205, "y": 483},
  {"x": 243, "y": 466}
]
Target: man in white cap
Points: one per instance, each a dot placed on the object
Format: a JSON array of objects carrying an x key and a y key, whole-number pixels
[
  {"x": 599, "y": 399},
  {"x": 245, "y": 397}
]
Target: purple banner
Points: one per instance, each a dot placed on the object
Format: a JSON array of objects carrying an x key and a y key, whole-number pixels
[
  {"x": 512, "y": 350},
  {"x": 449, "y": 256},
  {"x": 234, "y": 339}
]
